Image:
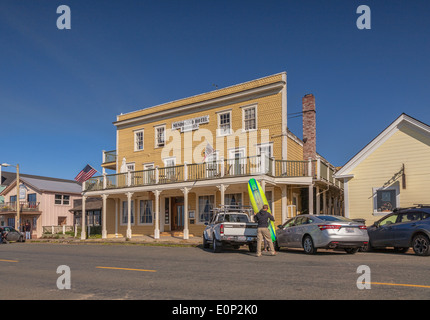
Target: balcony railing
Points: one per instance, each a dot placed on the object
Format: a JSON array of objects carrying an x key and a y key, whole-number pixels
[
  {"x": 24, "y": 206},
  {"x": 246, "y": 166},
  {"x": 109, "y": 156}
]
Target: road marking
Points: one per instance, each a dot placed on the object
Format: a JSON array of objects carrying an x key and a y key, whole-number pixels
[
  {"x": 8, "y": 260},
  {"x": 400, "y": 285},
  {"x": 127, "y": 269}
]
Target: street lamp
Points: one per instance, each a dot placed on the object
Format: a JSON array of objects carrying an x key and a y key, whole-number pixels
[{"x": 17, "y": 192}]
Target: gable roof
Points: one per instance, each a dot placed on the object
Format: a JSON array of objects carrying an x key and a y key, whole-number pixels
[
  {"x": 402, "y": 120},
  {"x": 42, "y": 184}
]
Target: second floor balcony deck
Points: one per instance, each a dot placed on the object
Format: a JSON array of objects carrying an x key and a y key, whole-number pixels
[
  {"x": 24, "y": 206},
  {"x": 214, "y": 170}
]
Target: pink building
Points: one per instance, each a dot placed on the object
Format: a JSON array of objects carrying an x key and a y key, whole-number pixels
[{"x": 44, "y": 202}]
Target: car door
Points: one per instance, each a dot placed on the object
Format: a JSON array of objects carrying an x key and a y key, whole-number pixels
[
  {"x": 297, "y": 231},
  {"x": 403, "y": 229},
  {"x": 284, "y": 232},
  {"x": 14, "y": 234},
  {"x": 382, "y": 234}
]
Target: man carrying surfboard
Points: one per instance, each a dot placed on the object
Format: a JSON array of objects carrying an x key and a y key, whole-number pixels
[{"x": 262, "y": 218}]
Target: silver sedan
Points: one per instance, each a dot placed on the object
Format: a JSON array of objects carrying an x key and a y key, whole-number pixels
[{"x": 311, "y": 232}]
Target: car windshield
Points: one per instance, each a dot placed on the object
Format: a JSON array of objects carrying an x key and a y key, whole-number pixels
[
  {"x": 235, "y": 218},
  {"x": 335, "y": 218}
]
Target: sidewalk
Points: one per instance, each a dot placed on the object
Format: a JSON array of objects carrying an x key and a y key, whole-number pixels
[{"x": 142, "y": 240}]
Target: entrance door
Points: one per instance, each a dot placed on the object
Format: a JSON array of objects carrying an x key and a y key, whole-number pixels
[{"x": 177, "y": 213}]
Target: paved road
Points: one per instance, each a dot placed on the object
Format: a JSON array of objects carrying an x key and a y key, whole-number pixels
[{"x": 28, "y": 271}]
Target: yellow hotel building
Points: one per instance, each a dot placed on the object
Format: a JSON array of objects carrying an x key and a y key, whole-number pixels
[{"x": 176, "y": 161}]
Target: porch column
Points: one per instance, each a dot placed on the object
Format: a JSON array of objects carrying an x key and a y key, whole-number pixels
[
  {"x": 222, "y": 188},
  {"x": 325, "y": 203},
  {"x": 129, "y": 195},
  {"x": 157, "y": 214},
  {"x": 263, "y": 185},
  {"x": 185, "y": 191},
  {"x": 317, "y": 200},
  {"x": 83, "y": 224},
  {"x": 116, "y": 217},
  {"x": 104, "y": 231},
  {"x": 311, "y": 198},
  {"x": 284, "y": 203}
]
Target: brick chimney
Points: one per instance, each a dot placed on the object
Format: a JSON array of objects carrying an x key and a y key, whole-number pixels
[{"x": 309, "y": 127}]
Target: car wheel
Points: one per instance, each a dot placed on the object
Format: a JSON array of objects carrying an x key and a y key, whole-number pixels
[
  {"x": 351, "y": 250},
  {"x": 276, "y": 246},
  {"x": 205, "y": 242},
  {"x": 366, "y": 248},
  {"x": 308, "y": 245},
  {"x": 421, "y": 245},
  {"x": 217, "y": 245}
]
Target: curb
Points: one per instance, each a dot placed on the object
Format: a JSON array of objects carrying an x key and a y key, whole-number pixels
[{"x": 195, "y": 242}]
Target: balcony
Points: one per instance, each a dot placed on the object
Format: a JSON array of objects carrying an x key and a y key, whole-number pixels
[
  {"x": 109, "y": 159},
  {"x": 226, "y": 168},
  {"x": 24, "y": 206}
]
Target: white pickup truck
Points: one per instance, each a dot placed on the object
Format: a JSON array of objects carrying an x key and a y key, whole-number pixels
[{"x": 231, "y": 226}]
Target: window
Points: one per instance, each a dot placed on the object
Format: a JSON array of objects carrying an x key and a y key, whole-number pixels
[
  {"x": 212, "y": 169},
  {"x": 388, "y": 220},
  {"x": 160, "y": 136},
  {"x": 264, "y": 152},
  {"x": 148, "y": 173},
  {"x": 10, "y": 221},
  {"x": 224, "y": 123},
  {"x": 93, "y": 217},
  {"x": 409, "y": 216},
  {"x": 265, "y": 149},
  {"x": 62, "y": 199},
  {"x": 124, "y": 218},
  {"x": 170, "y": 169},
  {"x": 237, "y": 162},
  {"x": 138, "y": 140},
  {"x": 205, "y": 206},
  {"x": 249, "y": 118},
  {"x": 289, "y": 223},
  {"x": 31, "y": 198},
  {"x": 145, "y": 212},
  {"x": 385, "y": 200},
  {"x": 130, "y": 166},
  {"x": 233, "y": 199}
]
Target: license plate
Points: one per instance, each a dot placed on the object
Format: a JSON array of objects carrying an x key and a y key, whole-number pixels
[
  {"x": 349, "y": 230},
  {"x": 241, "y": 238}
]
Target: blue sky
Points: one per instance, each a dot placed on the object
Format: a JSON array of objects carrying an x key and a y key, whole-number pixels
[{"x": 60, "y": 90}]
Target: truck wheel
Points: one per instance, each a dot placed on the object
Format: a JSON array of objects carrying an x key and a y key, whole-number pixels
[
  {"x": 217, "y": 246},
  {"x": 252, "y": 247},
  {"x": 205, "y": 242}
]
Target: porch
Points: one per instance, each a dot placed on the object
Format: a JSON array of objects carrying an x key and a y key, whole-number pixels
[{"x": 127, "y": 191}]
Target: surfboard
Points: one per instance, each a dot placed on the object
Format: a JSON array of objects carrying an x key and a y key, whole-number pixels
[{"x": 258, "y": 199}]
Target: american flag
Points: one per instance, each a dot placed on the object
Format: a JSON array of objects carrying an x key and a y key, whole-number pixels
[
  {"x": 85, "y": 173},
  {"x": 208, "y": 151}
]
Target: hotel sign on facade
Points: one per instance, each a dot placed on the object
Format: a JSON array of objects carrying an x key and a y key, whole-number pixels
[{"x": 190, "y": 124}]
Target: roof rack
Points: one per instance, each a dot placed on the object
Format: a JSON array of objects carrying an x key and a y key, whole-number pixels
[
  {"x": 420, "y": 205},
  {"x": 415, "y": 206},
  {"x": 233, "y": 207}
]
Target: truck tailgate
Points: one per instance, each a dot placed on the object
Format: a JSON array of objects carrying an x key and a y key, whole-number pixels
[{"x": 240, "y": 229}]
